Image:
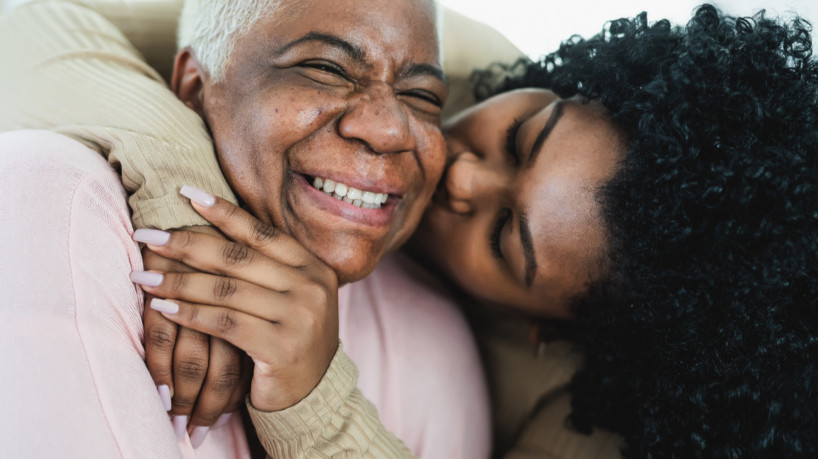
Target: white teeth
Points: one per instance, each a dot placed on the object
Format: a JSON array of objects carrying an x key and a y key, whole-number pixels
[
  {"x": 354, "y": 193},
  {"x": 354, "y": 196}
]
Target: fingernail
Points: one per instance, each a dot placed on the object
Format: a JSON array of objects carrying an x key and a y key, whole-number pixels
[
  {"x": 223, "y": 419},
  {"x": 168, "y": 307},
  {"x": 147, "y": 278},
  {"x": 201, "y": 197},
  {"x": 197, "y": 437},
  {"x": 180, "y": 427},
  {"x": 151, "y": 236},
  {"x": 164, "y": 395}
]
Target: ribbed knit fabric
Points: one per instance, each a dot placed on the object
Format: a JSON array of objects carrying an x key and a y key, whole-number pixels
[
  {"x": 76, "y": 52},
  {"x": 335, "y": 420}
]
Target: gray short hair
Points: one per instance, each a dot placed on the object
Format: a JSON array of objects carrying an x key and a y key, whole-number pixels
[{"x": 211, "y": 27}]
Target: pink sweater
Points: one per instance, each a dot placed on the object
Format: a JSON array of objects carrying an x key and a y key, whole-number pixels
[{"x": 74, "y": 383}]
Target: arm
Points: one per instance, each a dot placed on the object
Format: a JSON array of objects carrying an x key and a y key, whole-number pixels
[
  {"x": 67, "y": 69},
  {"x": 74, "y": 384},
  {"x": 335, "y": 419}
]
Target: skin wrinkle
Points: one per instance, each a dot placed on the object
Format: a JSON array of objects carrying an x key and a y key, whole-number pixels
[{"x": 286, "y": 121}]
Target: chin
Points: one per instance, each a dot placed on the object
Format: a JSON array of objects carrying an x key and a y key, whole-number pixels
[{"x": 350, "y": 266}]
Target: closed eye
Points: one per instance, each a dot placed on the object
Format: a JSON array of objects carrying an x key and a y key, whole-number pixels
[
  {"x": 511, "y": 141},
  {"x": 494, "y": 239},
  {"x": 425, "y": 96},
  {"x": 326, "y": 67}
]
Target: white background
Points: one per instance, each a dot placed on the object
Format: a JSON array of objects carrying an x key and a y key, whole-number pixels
[{"x": 538, "y": 26}]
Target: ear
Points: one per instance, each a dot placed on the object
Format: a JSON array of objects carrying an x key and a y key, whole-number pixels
[{"x": 188, "y": 80}]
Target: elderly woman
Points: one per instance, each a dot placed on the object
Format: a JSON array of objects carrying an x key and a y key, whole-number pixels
[{"x": 655, "y": 206}]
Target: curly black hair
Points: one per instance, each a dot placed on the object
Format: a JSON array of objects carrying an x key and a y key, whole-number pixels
[{"x": 702, "y": 338}]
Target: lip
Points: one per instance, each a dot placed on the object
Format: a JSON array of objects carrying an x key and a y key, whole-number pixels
[{"x": 370, "y": 217}]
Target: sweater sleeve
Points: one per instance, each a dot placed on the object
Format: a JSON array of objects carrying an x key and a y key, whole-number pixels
[
  {"x": 335, "y": 420},
  {"x": 67, "y": 69}
]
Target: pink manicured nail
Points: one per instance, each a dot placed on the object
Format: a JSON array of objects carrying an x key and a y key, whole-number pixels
[
  {"x": 201, "y": 197},
  {"x": 151, "y": 236},
  {"x": 168, "y": 307},
  {"x": 164, "y": 395},
  {"x": 223, "y": 419},
  {"x": 180, "y": 427},
  {"x": 147, "y": 278},
  {"x": 197, "y": 437}
]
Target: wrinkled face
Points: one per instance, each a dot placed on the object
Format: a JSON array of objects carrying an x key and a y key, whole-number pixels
[
  {"x": 327, "y": 125},
  {"x": 515, "y": 221}
]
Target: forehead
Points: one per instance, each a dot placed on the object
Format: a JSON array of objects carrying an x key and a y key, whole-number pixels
[
  {"x": 581, "y": 154},
  {"x": 395, "y": 29}
]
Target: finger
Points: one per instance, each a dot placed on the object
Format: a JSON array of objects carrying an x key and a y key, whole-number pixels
[
  {"x": 241, "y": 226},
  {"x": 190, "y": 361},
  {"x": 215, "y": 290},
  {"x": 243, "y": 387},
  {"x": 249, "y": 333},
  {"x": 156, "y": 262},
  {"x": 223, "y": 376},
  {"x": 221, "y": 256},
  {"x": 160, "y": 338}
]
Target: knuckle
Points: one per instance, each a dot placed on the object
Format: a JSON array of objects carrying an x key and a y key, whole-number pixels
[
  {"x": 183, "y": 239},
  {"x": 184, "y": 404},
  {"x": 230, "y": 212},
  {"x": 178, "y": 281},
  {"x": 225, "y": 382},
  {"x": 236, "y": 254},
  {"x": 263, "y": 233},
  {"x": 191, "y": 368},
  {"x": 206, "y": 417},
  {"x": 160, "y": 338},
  {"x": 226, "y": 322},
  {"x": 224, "y": 288}
]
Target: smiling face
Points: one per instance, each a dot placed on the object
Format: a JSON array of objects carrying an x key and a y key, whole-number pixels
[
  {"x": 515, "y": 221},
  {"x": 327, "y": 124}
]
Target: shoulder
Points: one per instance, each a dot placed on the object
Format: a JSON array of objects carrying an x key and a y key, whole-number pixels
[{"x": 415, "y": 307}]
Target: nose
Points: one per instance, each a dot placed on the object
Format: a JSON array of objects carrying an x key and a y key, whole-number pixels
[
  {"x": 472, "y": 183},
  {"x": 377, "y": 118}
]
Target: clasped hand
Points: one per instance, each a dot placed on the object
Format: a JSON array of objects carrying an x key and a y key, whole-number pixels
[{"x": 259, "y": 290}]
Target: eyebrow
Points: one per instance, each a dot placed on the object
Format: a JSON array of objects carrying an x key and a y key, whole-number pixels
[
  {"x": 528, "y": 249},
  {"x": 425, "y": 70},
  {"x": 556, "y": 114},
  {"x": 355, "y": 52}
]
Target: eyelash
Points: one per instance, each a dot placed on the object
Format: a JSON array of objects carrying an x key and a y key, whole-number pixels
[
  {"x": 427, "y": 97},
  {"x": 494, "y": 238},
  {"x": 327, "y": 67},
  {"x": 511, "y": 140}
]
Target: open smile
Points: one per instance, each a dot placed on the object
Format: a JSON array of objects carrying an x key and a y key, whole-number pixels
[{"x": 371, "y": 207}]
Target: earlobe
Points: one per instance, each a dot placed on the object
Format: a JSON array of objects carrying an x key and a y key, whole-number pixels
[{"x": 188, "y": 79}]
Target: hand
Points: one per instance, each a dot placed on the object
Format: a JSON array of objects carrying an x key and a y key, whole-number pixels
[
  {"x": 206, "y": 376},
  {"x": 264, "y": 293}
]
